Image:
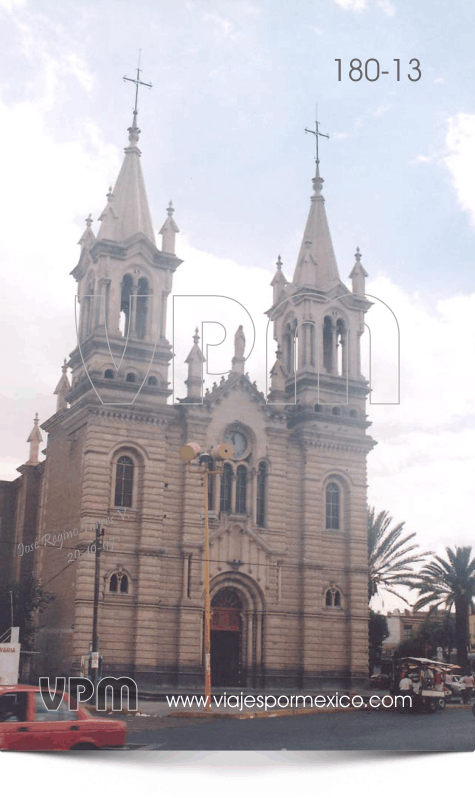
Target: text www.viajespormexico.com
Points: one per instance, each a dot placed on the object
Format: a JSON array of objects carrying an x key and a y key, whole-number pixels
[{"x": 266, "y": 702}]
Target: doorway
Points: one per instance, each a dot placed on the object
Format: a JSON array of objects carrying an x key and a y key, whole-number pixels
[{"x": 226, "y": 639}]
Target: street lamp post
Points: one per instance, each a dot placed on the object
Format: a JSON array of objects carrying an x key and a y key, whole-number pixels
[
  {"x": 221, "y": 452},
  {"x": 95, "y": 615}
]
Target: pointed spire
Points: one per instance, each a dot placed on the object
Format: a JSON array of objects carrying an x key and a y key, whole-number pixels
[
  {"x": 358, "y": 275},
  {"x": 195, "y": 361},
  {"x": 168, "y": 231},
  {"x": 127, "y": 211},
  {"x": 62, "y": 389},
  {"x": 34, "y": 439},
  {"x": 316, "y": 264},
  {"x": 278, "y": 281},
  {"x": 237, "y": 363},
  {"x": 88, "y": 238}
]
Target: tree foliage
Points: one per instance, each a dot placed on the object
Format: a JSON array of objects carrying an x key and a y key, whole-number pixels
[
  {"x": 22, "y": 599},
  {"x": 391, "y": 554},
  {"x": 450, "y": 583},
  {"x": 437, "y": 631}
]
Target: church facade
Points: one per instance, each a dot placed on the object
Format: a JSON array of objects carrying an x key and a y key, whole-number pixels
[{"x": 288, "y": 540}]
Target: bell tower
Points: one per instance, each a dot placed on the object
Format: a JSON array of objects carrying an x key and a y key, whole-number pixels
[
  {"x": 318, "y": 322},
  {"x": 123, "y": 284}
]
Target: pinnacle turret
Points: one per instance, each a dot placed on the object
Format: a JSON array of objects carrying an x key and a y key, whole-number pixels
[
  {"x": 88, "y": 238},
  {"x": 358, "y": 275},
  {"x": 62, "y": 389},
  {"x": 278, "y": 282},
  {"x": 168, "y": 231},
  {"x": 195, "y": 361},
  {"x": 34, "y": 439}
]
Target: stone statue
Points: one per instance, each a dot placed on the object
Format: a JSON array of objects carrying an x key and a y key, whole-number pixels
[{"x": 239, "y": 342}]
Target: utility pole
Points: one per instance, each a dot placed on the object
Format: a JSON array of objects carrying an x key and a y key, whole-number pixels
[{"x": 97, "y": 575}]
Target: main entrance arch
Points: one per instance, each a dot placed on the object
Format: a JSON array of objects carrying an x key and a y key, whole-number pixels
[{"x": 237, "y": 609}]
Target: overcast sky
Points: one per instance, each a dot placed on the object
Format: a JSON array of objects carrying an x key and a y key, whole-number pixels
[{"x": 234, "y": 85}]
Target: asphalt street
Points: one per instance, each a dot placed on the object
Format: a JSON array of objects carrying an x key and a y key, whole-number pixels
[{"x": 449, "y": 730}]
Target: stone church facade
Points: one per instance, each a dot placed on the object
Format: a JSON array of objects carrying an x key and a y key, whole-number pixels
[{"x": 288, "y": 541}]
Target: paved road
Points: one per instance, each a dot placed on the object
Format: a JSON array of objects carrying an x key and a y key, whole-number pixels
[{"x": 450, "y": 730}]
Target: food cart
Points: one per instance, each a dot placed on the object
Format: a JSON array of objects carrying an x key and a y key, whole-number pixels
[{"x": 429, "y": 690}]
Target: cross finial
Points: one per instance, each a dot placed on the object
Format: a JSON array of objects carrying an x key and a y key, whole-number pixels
[
  {"x": 170, "y": 209},
  {"x": 279, "y": 263},
  {"x": 196, "y": 337},
  {"x": 358, "y": 255},
  {"x": 89, "y": 221},
  {"x": 317, "y": 133},
  {"x": 138, "y": 83}
]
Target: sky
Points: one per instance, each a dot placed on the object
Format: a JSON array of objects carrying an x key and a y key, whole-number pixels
[{"x": 235, "y": 84}]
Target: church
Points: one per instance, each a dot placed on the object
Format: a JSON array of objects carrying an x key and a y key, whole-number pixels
[{"x": 288, "y": 540}]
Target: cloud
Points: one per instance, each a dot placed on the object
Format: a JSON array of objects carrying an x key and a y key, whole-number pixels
[
  {"x": 421, "y": 159},
  {"x": 341, "y": 135},
  {"x": 460, "y": 160},
  {"x": 381, "y": 110},
  {"x": 352, "y": 5},
  {"x": 11, "y": 5},
  {"x": 386, "y": 6},
  {"x": 439, "y": 80},
  {"x": 223, "y": 26}
]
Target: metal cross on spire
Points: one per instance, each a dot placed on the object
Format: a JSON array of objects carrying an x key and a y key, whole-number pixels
[
  {"x": 138, "y": 83},
  {"x": 317, "y": 133}
]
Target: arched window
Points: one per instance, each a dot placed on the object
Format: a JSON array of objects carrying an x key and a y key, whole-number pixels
[
  {"x": 318, "y": 408},
  {"x": 341, "y": 347},
  {"x": 226, "y": 484},
  {"x": 311, "y": 333},
  {"x": 241, "y": 489},
  {"x": 261, "y": 494},
  {"x": 119, "y": 583},
  {"x": 125, "y": 304},
  {"x": 124, "y": 479},
  {"x": 327, "y": 344},
  {"x": 152, "y": 381},
  {"x": 353, "y": 414},
  {"x": 210, "y": 492},
  {"x": 290, "y": 346},
  {"x": 130, "y": 377},
  {"x": 109, "y": 374},
  {"x": 332, "y": 597},
  {"x": 142, "y": 307},
  {"x": 87, "y": 310},
  {"x": 336, "y": 411},
  {"x": 332, "y": 506}
]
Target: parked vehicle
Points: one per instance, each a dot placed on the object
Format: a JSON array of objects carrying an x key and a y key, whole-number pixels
[
  {"x": 380, "y": 681},
  {"x": 27, "y": 725},
  {"x": 455, "y": 686}
]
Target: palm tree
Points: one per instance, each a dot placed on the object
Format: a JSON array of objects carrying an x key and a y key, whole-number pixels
[
  {"x": 389, "y": 555},
  {"x": 451, "y": 583}
]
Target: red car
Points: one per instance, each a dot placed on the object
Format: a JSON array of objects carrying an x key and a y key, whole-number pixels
[{"x": 26, "y": 724}]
